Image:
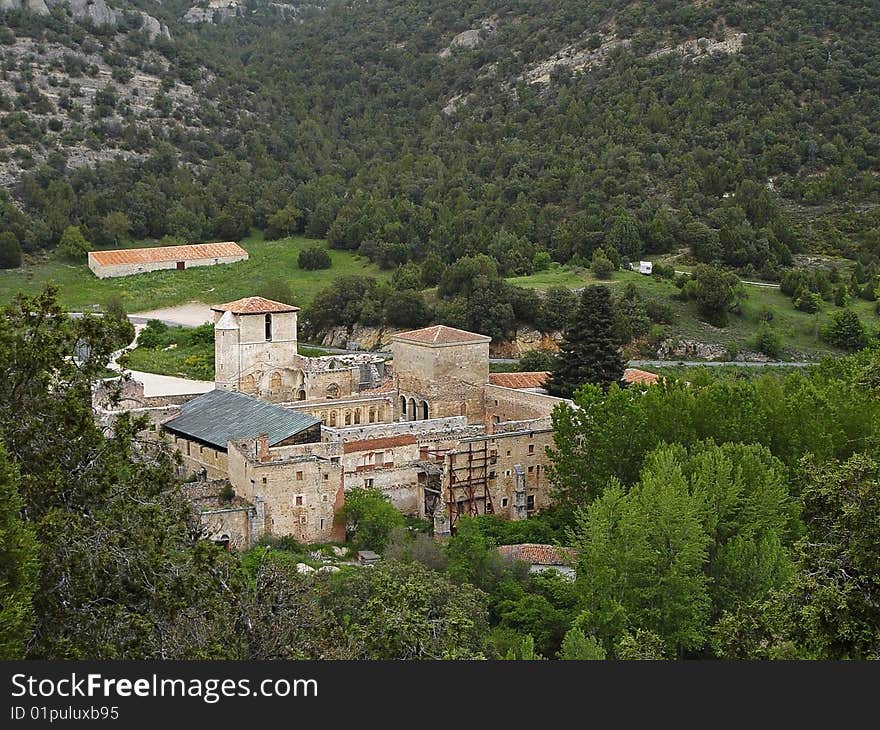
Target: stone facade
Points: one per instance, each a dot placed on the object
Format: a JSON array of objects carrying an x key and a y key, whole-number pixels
[{"x": 436, "y": 437}]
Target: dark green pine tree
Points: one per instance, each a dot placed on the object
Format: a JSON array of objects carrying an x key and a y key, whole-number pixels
[{"x": 589, "y": 352}]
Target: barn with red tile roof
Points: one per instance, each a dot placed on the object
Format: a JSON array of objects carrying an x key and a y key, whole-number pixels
[{"x": 129, "y": 261}]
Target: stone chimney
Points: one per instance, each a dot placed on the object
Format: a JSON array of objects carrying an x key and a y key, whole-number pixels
[{"x": 263, "y": 447}]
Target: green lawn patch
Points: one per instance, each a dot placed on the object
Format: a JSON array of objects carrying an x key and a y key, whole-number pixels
[{"x": 80, "y": 289}]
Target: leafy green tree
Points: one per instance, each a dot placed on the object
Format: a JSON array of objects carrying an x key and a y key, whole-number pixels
[
  {"x": 406, "y": 611},
  {"x": 73, "y": 245},
  {"x": 284, "y": 222},
  {"x": 406, "y": 308},
  {"x": 639, "y": 645},
  {"x": 369, "y": 518},
  {"x": 10, "y": 251},
  {"x": 578, "y": 646},
  {"x": 716, "y": 292},
  {"x": 116, "y": 225},
  {"x": 18, "y": 566},
  {"x": 827, "y": 610},
  {"x": 625, "y": 238},
  {"x": 640, "y": 560},
  {"x": 589, "y": 352},
  {"x": 122, "y": 571},
  {"x": 537, "y": 361}
]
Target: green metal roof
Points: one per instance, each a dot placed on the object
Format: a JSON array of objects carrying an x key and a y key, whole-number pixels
[{"x": 219, "y": 416}]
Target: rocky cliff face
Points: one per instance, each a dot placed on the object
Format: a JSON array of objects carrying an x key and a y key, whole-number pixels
[
  {"x": 525, "y": 340},
  {"x": 95, "y": 11}
]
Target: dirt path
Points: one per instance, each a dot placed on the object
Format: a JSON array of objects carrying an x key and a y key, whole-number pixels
[{"x": 191, "y": 314}]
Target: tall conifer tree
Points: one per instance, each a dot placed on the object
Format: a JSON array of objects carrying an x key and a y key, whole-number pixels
[{"x": 589, "y": 352}]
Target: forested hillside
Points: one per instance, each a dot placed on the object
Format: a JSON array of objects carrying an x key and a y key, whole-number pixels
[{"x": 745, "y": 131}]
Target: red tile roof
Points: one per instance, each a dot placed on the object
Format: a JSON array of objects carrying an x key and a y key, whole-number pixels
[
  {"x": 633, "y": 376},
  {"x": 166, "y": 253},
  {"x": 255, "y": 305},
  {"x": 519, "y": 380},
  {"x": 440, "y": 334},
  {"x": 388, "y": 442},
  {"x": 537, "y": 554}
]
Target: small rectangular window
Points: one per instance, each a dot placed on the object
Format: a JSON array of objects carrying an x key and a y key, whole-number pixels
[
  {"x": 299, "y": 476},
  {"x": 299, "y": 500},
  {"x": 531, "y": 448},
  {"x": 504, "y": 501},
  {"x": 368, "y": 483},
  {"x": 264, "y": 480},
  {"x": 531, "y": 470}
]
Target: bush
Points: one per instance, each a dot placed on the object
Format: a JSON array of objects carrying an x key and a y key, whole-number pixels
[
  {"x": 541, "y": 261},
  {"x": 659, "y": 312},
  {"x": 73, "y": 245},
  {"x": 10, "y": 251},
  {"x": 768, "y": 341},
  {"x": 601, "y": 266},
  {"x": 537, "y": 361},
  {"x": 314, "y": 258},
  {"x": 846, "y": 331}
]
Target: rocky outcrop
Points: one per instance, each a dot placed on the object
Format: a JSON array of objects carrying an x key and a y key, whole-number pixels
[
  {"x": 94, "y": 11},
  {"x": 471, "y": 38},
  {"x": 525, "y": 340},
  {"x": 691, "y": 350},
  {"x": 375, "y": 339}
]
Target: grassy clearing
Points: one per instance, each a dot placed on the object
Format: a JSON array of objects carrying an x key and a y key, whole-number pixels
[
  {"x": 79, "y": 289},
  {"x": 800, "y": 332},
  {"x": 185, "y": 353}
]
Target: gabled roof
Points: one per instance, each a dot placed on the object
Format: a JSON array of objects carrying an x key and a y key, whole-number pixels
[
  {"x": 537, "y": 554},
  {"x": 255, "y": 305},
  {"x": 632, "y": 376},
  {"x": 440, "y": 334},
  {"x": 159, "y": 254},
  {"x": 519, "y": 380},
  {"x": 221, "y": 415}
]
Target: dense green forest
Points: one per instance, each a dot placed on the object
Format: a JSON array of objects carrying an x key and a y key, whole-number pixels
[
  {"x": 340, "y": 126},
  {"x": 722, "y": 517}
]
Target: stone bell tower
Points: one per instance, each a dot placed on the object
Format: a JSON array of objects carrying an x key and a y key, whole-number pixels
[{"x": 254, "y": 343}]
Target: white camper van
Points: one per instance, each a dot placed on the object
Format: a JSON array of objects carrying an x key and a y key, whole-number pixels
[{"x": 645, "y": 267}]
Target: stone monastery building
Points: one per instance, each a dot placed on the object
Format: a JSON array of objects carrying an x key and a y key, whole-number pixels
[{"x": 432, "y": 429}]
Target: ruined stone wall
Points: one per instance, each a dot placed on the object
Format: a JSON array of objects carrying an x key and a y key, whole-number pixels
[
  {"x": 509, "y": 404},
  {"x": 504, "y": 451},
  {"x": 298, "y": 494},
  {"x": 197, "y": 456}
]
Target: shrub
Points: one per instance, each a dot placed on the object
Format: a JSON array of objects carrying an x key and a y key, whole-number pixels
[
  {"x": 768, "y": 341},
  {"x": 10, "y": 251},
  {"x": 601, "y": 266},
  {"x": 846, "y": 331},
  {"x": 314, "y": 258},
  {"x": 73, "y": 245}
]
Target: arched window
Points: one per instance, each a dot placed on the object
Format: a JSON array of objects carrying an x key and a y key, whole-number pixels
[
  {"x": 301, "y": 394},
  {"x": 275, "y": 382},
  {"x": 332, "y": 418},
  {"x": 372, "y": 415},
  {"x": 425, "y": 410},
  {"x": 268, "y": 328},
  {"x": 403, "y": 407},
  {"x": 348, "y": 418},
  {"x": 463, "y": 410},
  {"x": 412, "y": 409},
  {"x": 357, "y": 415},
  {"x": 333, "y": 391}
]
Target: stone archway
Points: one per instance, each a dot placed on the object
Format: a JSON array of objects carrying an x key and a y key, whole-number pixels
[
  {"x": 403, "y": 408},
  {"x": 412, "y": 409},
  {"x": 424, "y": 410},
  {"x": 333, "y": 391}
]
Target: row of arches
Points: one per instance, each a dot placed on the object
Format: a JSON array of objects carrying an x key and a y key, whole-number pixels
[
  {"x": 339, "y": 417},
  {"x": 413, "y": 410}
]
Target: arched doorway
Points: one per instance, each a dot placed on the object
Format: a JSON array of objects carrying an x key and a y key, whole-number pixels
[
  {"x": 403, "y": 407},
  {"x": 412, "y": 409},
  {"x": 301, "y": 394},
  {"x": 424, "y": 410}
]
